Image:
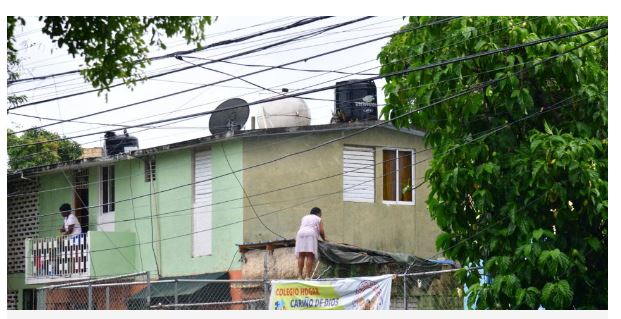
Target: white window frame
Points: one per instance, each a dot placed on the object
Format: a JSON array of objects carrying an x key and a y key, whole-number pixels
[
  {"x": 370, "y": 149},
  {"x": 398, "y": 189}
]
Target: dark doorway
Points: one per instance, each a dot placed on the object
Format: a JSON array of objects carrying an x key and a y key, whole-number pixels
[
  {"x": 80, "y": 197},
  {"x": 29, "y": 300}
]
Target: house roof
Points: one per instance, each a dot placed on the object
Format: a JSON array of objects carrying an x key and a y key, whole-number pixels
[{"x": 206, "y": 140}]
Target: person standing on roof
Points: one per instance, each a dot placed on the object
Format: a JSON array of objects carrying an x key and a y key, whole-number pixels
[{"x": 306, "y": 239}]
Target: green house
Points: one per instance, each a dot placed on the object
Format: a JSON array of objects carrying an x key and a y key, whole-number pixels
[{"x": 180, "y": 209}]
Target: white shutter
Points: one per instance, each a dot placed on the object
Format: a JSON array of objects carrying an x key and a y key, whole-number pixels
[
  {"x": 201, "y": 209},
  {"x": 358, "y": 174}
]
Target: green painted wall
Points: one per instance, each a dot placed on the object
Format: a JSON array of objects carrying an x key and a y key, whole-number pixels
[
  {"x": 112, "y": 253},
  {"x": 57, "y": 190},
  {"x": 134, "y": 215},
  {"x": 398, "y": 228},
  {"x": 175, "y": 168}
]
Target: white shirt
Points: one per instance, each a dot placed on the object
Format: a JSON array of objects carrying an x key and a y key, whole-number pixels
[{"x": 72, "y": 220}]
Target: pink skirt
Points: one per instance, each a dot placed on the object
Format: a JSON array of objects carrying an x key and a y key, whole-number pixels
[{"x": 306, "y": 242}]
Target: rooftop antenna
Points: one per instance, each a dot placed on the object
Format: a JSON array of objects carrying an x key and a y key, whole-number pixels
[{"x": 229, "y": 117}]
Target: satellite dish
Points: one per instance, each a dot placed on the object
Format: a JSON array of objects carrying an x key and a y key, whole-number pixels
[{"x": 230, "y": 116}]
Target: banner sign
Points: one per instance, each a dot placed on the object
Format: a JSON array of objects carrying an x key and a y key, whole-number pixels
[{"x": 359, "y": 293}]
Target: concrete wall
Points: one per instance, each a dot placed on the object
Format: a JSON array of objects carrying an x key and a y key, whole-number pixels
[
  {"x": 112, "y": 253},
  {"x": 397, "y": 228}
]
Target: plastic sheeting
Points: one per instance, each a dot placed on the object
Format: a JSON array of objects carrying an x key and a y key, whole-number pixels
[{"x": 351, "y": 255}]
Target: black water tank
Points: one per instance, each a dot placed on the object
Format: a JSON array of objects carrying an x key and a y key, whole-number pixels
[
  {"x": 117, "y": 144},
  {"x": 355, "y": 100}
]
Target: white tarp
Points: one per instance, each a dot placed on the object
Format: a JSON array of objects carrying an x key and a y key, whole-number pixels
[{"x": 359, "y": 293}]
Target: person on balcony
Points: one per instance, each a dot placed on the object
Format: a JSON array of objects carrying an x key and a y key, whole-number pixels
[
  {"x": 72, "y": 225},
  {"x": 311, "y": 228}
]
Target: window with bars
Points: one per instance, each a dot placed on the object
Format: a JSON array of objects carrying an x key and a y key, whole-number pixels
[
  {"x": 149, "y": 169},
  {"x": 398, "y": 176},
  {"x": 80, "y": 179}
]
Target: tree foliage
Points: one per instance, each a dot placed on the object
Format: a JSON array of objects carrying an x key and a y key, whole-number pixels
[
  {"x": 531, "y": 199},
  {"x": 40, "y": 154},
  {"x": 112, "y": 47}
]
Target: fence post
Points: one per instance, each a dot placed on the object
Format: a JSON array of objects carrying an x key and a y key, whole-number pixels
[
  {"x": 148, "y": 290},
  {"x": 107, "y": 297},
  {"x": 176, "y": 294},
  {"x": 90, "y": 296},
  {"x": 266, "y": 284},
  {"x": 405, "y": 292}
]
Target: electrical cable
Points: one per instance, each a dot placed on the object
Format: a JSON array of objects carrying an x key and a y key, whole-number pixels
[
  {"x": 498, "y": 68},
  {"x": 216, "y": 44},
  {"x": 324, "y": 143},
  {"x": 283, "y": 84},
  {"x": 396, "y": 73},
  {"x": 190, "y": 67},
  {"x": 547, "y": 59},
  {"x": 246, "y": 194},
  {"x": 329, "y": 194},
  {"x": 261, "y": 71}
]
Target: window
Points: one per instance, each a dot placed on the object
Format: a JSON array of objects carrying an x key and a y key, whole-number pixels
[
  {"x": 358, "y": 174},
  {"x": 201, "y": 207},
  {"x": 398, "y": 167},
  {"x": 149, "y": 169},
  {"x": 107, "y": 188}
]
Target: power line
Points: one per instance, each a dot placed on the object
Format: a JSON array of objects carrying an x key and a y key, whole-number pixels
[
  {"x": 85, "y": 85},
  {"x": 544, "y": 61},
  {"x": 260, "y": 71},
  {"x": 434, "y": 48},
  {"x": 190, "y": 67},
  {"x": 216, "y": 44},
  {"x": 246, "y": 194},
  {"x": 168, "y": 214},
  {"x": 504, "y": 67},
  {"x": 396, "y": 73},
  {"x": 192, "y": 107},
  {"x": 279, "y": 67},
  {"x": 344, "y": 136}
]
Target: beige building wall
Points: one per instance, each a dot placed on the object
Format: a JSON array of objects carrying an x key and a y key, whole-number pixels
[{"x": 395, "y": 228}]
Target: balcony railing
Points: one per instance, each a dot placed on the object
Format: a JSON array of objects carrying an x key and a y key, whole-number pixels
[{"x": 57, "y": 258}]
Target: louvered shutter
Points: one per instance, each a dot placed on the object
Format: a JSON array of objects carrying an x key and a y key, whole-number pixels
[
  {"x": 202, "y": 210},
  {"x": 358, "y": 174}
]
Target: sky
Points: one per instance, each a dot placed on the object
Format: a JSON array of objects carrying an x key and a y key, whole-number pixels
[{"x": 41, "y": 57}]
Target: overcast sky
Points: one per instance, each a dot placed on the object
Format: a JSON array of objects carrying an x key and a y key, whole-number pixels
[{"x": 41, "y": 57}]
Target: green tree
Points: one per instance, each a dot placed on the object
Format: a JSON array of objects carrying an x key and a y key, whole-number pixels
[
  {"x": 531, "y": 199},
  {"x": 112, "y": 47},
  {"x": 40, "y": 154}
]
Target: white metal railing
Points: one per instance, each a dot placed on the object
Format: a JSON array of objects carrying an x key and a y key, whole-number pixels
[{"x": 59, "y": 257}]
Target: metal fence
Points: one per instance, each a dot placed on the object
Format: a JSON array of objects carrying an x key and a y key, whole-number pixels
[
  {"x": 430, "y": 290},
  {"x": 436, "y": 289}
]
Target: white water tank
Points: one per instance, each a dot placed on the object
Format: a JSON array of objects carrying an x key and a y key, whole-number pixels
[{"x": 283, "y": 113}]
